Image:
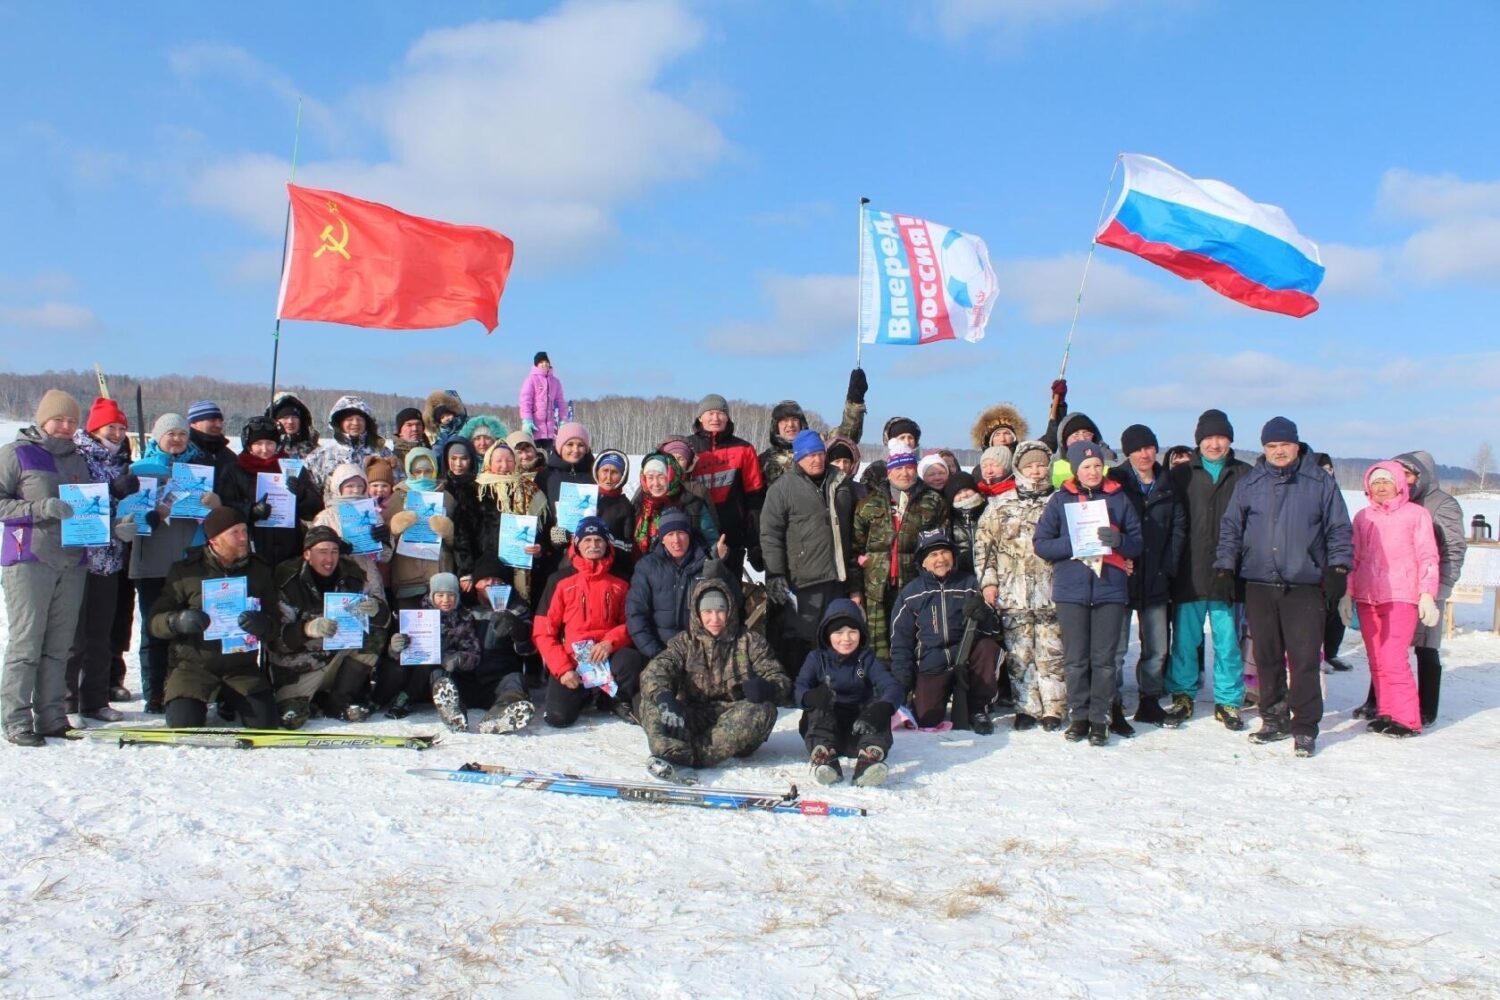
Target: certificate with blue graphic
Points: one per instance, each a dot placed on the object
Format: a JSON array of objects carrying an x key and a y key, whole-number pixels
[
  {"x": 517, "y": 534},
  {"x": 499, "y": 596},
  {"x": 424, "y": 633},
  {"x": 291, "y": 466},
  {"x": 186, "y": 489},
  {"x": 224, "y": 600},
  {"x": 357, "y": 521},
  {"x": 89, "y": 525},
  {"x": 420, "y": 541},
  {"x": 244, "y": 642},
  {"x": 271, "y": 487},
  {"x": 140, "y": 503},
  {"x": 575, "y": 502},
  {"x": 339, "y": 609}
]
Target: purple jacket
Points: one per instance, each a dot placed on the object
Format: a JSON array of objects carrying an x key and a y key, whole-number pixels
[{"x": 543, "y": 402}]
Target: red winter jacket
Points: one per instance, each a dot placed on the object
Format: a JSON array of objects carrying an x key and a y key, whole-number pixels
[
  {"x": 730, "y": 468},
  {"x": 582, "y": 601}
]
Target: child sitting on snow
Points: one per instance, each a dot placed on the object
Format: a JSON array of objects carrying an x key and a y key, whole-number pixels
[
  {"x": 504, "y": 632},
  {"x": 848, "y": 697},
  {"x": 399, "y": 684}
]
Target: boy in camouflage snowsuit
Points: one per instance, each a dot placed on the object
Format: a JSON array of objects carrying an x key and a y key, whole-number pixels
[
  {"x": 886, "y": 524},
  {"x": 1018, "y": 583}
]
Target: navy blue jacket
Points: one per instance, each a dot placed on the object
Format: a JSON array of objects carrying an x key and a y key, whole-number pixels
[
  {"x": 656, "y": 608},
  {"x": 1285, "y": 526},
  {"x": 1163, "y": 535},
  {"x": 857, "y": 679},
  {"x": 1073, "y": 582},
  {"x": 927, "y": 625}
]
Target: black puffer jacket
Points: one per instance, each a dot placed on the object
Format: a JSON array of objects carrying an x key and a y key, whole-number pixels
[
  {"x": 1205, "y": 503},
  {"x": 1163, "y": 533},
  {"x": 927, "y": 626},
  {"x": 807, "y": 530}
]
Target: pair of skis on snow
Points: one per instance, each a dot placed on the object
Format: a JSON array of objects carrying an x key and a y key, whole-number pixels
[{"x": 250, "y": 738}]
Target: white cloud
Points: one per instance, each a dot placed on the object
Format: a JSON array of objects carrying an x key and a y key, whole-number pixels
[
  {"x": 201, "y": 59},
  {"x": 1047, "y": 288},
  {"x": 1354, "y": 270},
  {"x": 51, "y": 316},
  {"x": 807, "y": 313},
  {"x": 1459, "y": 240},
  {"x": 537, "y": 128},
  {"x": 1435, "y": 197}
]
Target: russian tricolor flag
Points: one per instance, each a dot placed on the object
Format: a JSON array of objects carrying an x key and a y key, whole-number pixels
[{"x": 1207, "y": 231}]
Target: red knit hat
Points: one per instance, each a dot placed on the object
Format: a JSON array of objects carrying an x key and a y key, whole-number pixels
[{"x": 105, "y": 412}]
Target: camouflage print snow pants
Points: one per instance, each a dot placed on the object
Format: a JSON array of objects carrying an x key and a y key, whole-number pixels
[
  {"x": 716, "y": 731},
  {"x": 1034, "y": 661}
]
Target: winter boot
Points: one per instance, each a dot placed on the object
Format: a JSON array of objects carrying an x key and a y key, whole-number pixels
[
  {"x": 154, "y": 706},
  {"x": 666, "y": 770},
  {"x": 1305, "y": 746},
  {"x": 1180, "y": 712},
  {"x": 224, "y": 711},
  {"x": 1396, "y": 730},
  {"x": 120, "y": 693},
  {"x": 1338, "y": 665},
  {"x": 981, "y": 723},
  {"x": 1051, "y": 724},
  {"x": 1429, "y": 683},
  {"x": 1275, "y": 724},
  {"x": 508, "y": 717},
  {"x": 1148, "y": 711},
  {"x": 1378, "y": 724},
  {"x": 825, "y": 766},
  {"x": 1099, "y": 734},
  {"x": 1023, "y": 722},
  {"x": 25, "y": 738},
  {"x": 449, "y": 706},
  {"x": 625, "y": 711},
  {"x": 1367, "y": 710},
  {"x": 400, "y": 708},
  {"x": 1076, "y": 732},
  {"x": 1117, "y": 723},
  {"x": 870, "y": 768},
  {"x": 294, "y": 713},
  {"x": 1230, "y": 716},
  {"x": 357, "y": 712},
  {"x": 105, "y": 714}
]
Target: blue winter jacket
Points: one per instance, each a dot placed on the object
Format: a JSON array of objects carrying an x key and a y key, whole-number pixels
[
  {"x": 1285, "y": 526},
  {"x": 927, "y": 625},
  {"x": 656, "y": 608},
  {"x": 1073, "y": 582},
  {"x": 857, "y": 679}
]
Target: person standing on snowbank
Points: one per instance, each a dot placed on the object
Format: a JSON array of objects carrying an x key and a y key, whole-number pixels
[
  {"x": 43, "y": 582},
  {"x": 543, "y": 405},
  {"x": 1287, "y": 535}
]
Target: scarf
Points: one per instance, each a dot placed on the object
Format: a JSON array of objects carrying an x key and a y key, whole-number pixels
[
  {"x": 510, "y": 494},
  {"x": 252, "y": 465},
  {"x": 653, "y": 507},
  {"x": 995, "y": 489},
  {"x": 1214, "y": 468},
  {"x": 421, "y": 485}
]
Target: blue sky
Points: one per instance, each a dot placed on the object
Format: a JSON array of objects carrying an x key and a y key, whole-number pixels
[{"x": 682, "y": 183}]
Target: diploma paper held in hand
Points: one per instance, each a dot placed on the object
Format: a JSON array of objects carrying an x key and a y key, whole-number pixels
[
  {"x": 576, "y": 501},
  {"x": 424, "y": 630},
  {"x": 224, "y": 601},
  {"x": 271, "y": 487},
  {"x": 140, "y": 503},
  {"x": 1085, "y": 518},
  {"x": 187, "y": 486},
  {"x": 420, "y": 541},
  {"x": 357, "y": 520},
  {"x": 352, "y": 626},
  {"x": 517, "y": 533},
  {"x": 89, "y": 525}
]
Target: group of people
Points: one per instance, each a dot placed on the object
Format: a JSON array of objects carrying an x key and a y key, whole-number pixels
[{"x": 913, "y": 593}]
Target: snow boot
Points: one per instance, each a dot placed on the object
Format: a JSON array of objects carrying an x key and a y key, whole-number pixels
[
  {"x": 1148, "y": 711},
  {"x": 1023, "y": 722},
  {"x": 1230, "y": 716},
  {"x": 1180, "y": 712},
  {"x": 1099, "y": 735},
  {"x": 294, "y": 713},
  {"x": 981, "y": 723},
  {"x": 400, "y": 708},
  {"x": 1338, "y": 665},
  {"x": 1275, "y": 724},
  {"x": 25, "y": 738},
  {"x": 357, "y": 712},
  {"x": 1076, "y": 732},
  {"x": 224, "y": 711},
  {"x": 1051, "y": 724},
  {"x": 120, "y": 693},
  {"x": 106, "y": 714},
  {"x": 625, "y": 711},
  {"x": 825, "y": 766},
  {"x": 665, "y": 770},
  {"x": 1397, "y": 731},
  {"x": 1367, "y": 710},
  {"x": 1305, "y": 746},
  {"x": 508, "y": 717},
  {"x": 449, "y": 705},
  {"x": 870, "y": 768},
  {"x": 1117, "y": 723}
]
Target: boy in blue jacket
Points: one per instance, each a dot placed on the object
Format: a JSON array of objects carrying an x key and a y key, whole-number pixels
[{"x": 848, "y": 697}]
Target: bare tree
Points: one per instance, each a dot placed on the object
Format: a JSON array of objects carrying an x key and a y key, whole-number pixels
[{"x": 1484, "y": 460}]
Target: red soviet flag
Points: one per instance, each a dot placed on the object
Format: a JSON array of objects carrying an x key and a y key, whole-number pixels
[{"x": 366, "y": 264}]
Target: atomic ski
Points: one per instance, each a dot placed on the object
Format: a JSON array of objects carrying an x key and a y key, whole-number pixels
[
  {"x": 637, "y": 791},
  {"x": 251, "y": 738}
]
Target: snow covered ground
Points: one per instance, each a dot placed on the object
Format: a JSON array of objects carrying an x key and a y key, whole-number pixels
[{"x": 1183, "y": 863}]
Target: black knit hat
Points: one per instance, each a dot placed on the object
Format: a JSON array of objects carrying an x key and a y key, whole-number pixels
[
  {"x": 405, "y": 414},
  {"x": 319, "y": 533},
  {"x": 1213, "y": 423},
  {"x": 220, "y": 520},
  {"x": 539, "y": 357},
  {"x": 1135, "y": 437},
  {"x": 259, "y": 429},
  {"x": 897, "y": 426}
]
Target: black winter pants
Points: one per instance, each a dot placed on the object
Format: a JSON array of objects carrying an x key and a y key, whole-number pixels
[
  {"x": 1333, "y": 630},
  {"x": 1090, "y": 637},
  {"x": 1286, "y": 629},
  {"x": 565, "y": 704},
  {"x": 834, "y": 727},
  {"x": 931, "y": 692},
  {"x": 123, "y": 626},
  {"x": 88, "y": 669},
  {"x": 153, "y": 650},
  {"x": 256, "y": 711}
]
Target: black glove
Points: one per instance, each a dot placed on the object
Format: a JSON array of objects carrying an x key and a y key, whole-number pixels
[
  {"x": 1110, "y": 535},
  {"x": 757, "y": 559},
  {"x": 1223, "y": 576},
  {"x": 979, "y": 612},
  {"x": 257, "y": 623},
  {"x": 818, "y": 698},
  {"x": 673, "y": 721},
  {"x": 858, "y": 386},
  {"x": 777, "y": 591},
  {"x": 452, "y": 662},
  {"x": 153, "y": 519},
  {"x": 124, "y": 486},
  {"x": 503, "y": 623},
  {"x": 758, "y": 691},
  {"x": 190, "y": 621},
  {"x": 875, "y": 717},
  {"x": 381, "y": 532},
  {"x": 1335, "y": 582},
  {"x": 259, "y": 510}
]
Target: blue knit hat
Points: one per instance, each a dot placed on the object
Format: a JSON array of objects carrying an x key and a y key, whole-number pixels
[
  {"x": 1279, "y": 429},
  {"x": 901, "y": 460},
  {"x": 673, "y": 520},
  {"x": 1080, "y": 451},
  {"x": 807, "y": 442},
  {"x": 204, "y": 409},
  {"x": 594, "y": 525}
]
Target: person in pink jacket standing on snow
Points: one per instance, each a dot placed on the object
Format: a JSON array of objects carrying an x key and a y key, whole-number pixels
[
  {"x": 543, "y": 405},
  {"x": 1394, "y": 582}
]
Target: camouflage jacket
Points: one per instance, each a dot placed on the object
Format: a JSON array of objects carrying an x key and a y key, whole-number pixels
[
  {"x": 777, "y": 459},
  {"x": 1006, "y": 557},
  {"x": 700, "y": 668},
  {"x": 875, "y": 529}
]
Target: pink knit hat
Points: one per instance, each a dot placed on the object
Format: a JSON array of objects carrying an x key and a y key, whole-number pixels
[{"x": 570, "y": 430}]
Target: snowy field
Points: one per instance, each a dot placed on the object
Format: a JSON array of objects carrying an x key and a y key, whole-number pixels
[{"x": 1185, "y": 863}]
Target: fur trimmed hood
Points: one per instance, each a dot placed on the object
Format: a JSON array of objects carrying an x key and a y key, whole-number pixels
[{"x": 999, "y": 415}]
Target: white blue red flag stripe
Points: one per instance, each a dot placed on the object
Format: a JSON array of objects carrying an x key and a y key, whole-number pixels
[
  {"x": 920, "y": 282},
  {"x": 1205, "y": 230}
]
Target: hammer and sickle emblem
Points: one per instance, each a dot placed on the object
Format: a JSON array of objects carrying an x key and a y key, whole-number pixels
[{"x": 329, "y": 242}]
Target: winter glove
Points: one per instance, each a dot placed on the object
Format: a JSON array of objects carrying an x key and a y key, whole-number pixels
[
  {"x": 57, "y": 510},
  {"x": 1427, "y": 610},
  {"x": 875, "y": 717},
  {"x": 442, "y": 526},
  {"x": 402, "y": 520},
  {"x": 673, "y": 721},
  {"x": 399, "y": 642},
  {"x": 757, "y": 559},
  {"x": 503, "y": 623},
  {"x": 558, "y": 536},
  {"x": 980, "y": 613},
  {"x": 1335, "y": 582},
  {"x": 126, "y": 530},
  {"x": 1110, "y": 535},
  {"x": 529, "y": 426},
  {"x": 366, "y": 607},
  {"x": 858, "y": 386},
  {"x": 320, "y": 628},
  {"x": 153, "y": 519},
  {"x": 818, "y": 699},
  {"x": 453, "y": 662},
  {"x": 381, "y": 533},
  {"x": 259, "y": 511},
  {"x": 210, "y": 500},
  {"x": 777, "y": 591},
  {"x": 124, "y": 486},
  {"x": 1223, "y": 576},
  {"x": 1060, "y": 388},
  {"x": 758, "y": 691},
  {"x": 1346, "y": 610},
  {"x": 190, "y": 621},
  {"x": 257, "y": 623}
]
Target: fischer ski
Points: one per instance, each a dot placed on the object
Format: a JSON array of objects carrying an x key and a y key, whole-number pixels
[
  {"x": 638, "y": 791},
  {"x": 248, "y": 739}
]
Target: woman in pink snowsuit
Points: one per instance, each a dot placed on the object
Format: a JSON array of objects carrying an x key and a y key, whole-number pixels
[
  {"x": 1394, "y": 582},
  {"x": 543, "y": 405}
]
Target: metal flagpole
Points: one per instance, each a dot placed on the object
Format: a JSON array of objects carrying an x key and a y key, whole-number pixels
[
  {"x": 1078, "y": 302},
  {"x": 285, "y": 233},
  {"x": 859, "y": 323}
]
